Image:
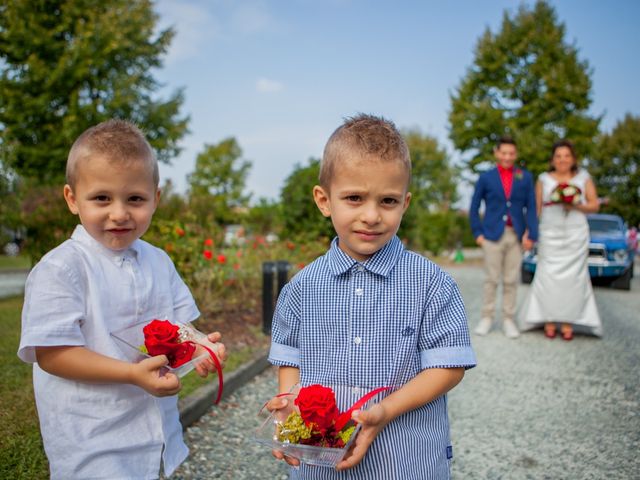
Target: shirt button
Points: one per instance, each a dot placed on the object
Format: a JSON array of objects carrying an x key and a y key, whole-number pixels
[
  {"x": 360, "y": 269},
  {"x": 359, "y": 292},
  {"x": 355, "y": 391},
  {"x": 508, "y": 204},
  {"x": 504, "y": 217},
  {"x": 357, "y": 340}
]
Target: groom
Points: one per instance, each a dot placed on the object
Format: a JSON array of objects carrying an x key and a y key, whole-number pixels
[{"x": 509, "y": 225}]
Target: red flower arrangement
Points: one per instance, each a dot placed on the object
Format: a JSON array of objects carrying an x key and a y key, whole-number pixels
[
  {"x": 566, "y": 194},
  {"x": 161, "y": 337},
  {"x": 318, "y": 421}
]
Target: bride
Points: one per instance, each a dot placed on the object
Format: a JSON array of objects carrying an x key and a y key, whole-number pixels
[{"x": 561, "y": 291}]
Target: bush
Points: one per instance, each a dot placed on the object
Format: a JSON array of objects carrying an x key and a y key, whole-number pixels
[{"x": 222, "y": 277}]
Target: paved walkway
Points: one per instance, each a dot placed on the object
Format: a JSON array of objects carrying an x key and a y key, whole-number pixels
[{"x": 533, "y": 408}]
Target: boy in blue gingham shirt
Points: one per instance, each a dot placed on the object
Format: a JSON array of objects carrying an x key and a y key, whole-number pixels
[{"x": 369, "y": 314}]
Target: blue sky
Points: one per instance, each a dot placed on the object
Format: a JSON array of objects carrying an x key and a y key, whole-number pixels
[{"x": 280, "y": 75}]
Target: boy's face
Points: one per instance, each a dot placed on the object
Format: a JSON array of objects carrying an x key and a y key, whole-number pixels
[
  {"x": 506, "y": 155},
  {"x": 115, "y": 202},
  {"x": 366, "y": 201}
]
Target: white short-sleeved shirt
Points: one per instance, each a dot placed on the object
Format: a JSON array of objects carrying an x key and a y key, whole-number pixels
[
  {"x": 359, "y": 326},
  {"x": 78, "y": 294}
]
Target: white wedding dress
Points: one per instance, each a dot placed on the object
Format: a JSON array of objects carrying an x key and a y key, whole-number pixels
[{"x": 561, "y": 290}]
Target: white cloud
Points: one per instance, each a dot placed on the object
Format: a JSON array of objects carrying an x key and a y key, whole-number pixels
[
  {"x": 194, "y": 28},
  {"x": 265, "y": 85}
]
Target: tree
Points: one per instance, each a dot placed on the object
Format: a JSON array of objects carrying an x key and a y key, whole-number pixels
[
  {"x": 616, "y": 169},
  {"x": 68, "y": 64},
  {"x": 265, "y": 217},
  {"x": 301, "y": 217},
  {"x": 218, "y": 182},
  {"x": 433, "y": 188},
  {"x": 526, "y": 81}
]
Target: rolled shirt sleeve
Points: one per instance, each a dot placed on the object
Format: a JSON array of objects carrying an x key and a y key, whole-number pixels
[
  {"x": 285, "y": 350},
  {"x": 444, "y": 338}
]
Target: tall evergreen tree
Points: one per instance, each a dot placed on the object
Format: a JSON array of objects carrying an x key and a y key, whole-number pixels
[
  {"x": 526, "y": 81},
  {"x": 616, "y": 169},
  {"x": 68, "y": 64}
]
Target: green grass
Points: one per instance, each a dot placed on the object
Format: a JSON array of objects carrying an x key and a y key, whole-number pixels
[
  {"x": 14, "y": 263},
  {"x": 21, "y": 452}
]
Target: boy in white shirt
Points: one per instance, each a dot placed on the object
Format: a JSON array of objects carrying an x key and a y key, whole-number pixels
[{"x": 101, "y": 416}]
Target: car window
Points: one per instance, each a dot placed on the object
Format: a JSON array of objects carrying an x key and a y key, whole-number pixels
[{"x": 599, "y": 225}]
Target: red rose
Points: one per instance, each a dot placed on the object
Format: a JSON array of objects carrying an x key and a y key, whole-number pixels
[
  {"x": 222, "y": 258},
  {"x": 317, "y": 405},
  {"x": 160, "y": 336},
  {"x": 181, "y": 354},
  {"x": 180, "y": 232},
  {"x": 207, "y": 254},
  {"x": 208, "y": 242}
]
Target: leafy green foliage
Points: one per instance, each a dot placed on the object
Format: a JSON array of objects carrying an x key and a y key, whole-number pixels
[
  {"x": 433, "y": 185},
  {"x": 526, "y": 81},
  {"x": 265, "y": 217},
  {"x": 67, "y": 65},
  {"x": 47, "y": 219},
  {"x": 301, "y": 217},
  {"x": 616, "y": 169},
  {"x": 218, "y": 182}
]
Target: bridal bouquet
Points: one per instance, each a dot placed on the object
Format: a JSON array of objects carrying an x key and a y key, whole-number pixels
[{"x": 566, "y": 194}]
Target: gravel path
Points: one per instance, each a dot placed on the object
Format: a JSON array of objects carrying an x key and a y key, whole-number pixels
[{"x": 533, "y": 408}]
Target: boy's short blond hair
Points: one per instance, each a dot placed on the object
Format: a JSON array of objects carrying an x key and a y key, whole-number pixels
[
  {"x": 118, "y": 140},
  {"x": 364, "y": 136}
]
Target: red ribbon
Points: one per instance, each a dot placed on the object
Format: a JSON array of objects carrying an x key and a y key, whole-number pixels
[
  {"x": 218, "y": 366},
  {"x": 345, "y": 416}
]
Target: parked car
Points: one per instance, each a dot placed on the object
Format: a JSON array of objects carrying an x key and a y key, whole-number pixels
[{"x": 611, "y": 255}]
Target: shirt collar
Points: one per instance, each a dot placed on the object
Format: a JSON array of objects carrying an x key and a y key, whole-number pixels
[
  {"x": 502, "y": 169},
  {"x": 380, "y": 263},
  {"x": 118, "y": 257}
]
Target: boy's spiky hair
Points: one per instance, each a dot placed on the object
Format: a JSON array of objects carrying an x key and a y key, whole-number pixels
[
  {"x": 360, "y": 136},
  {"x": 118, "y": 140}
]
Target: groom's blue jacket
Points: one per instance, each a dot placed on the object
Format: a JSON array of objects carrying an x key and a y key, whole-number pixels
[{"x": 521, "y": 206}]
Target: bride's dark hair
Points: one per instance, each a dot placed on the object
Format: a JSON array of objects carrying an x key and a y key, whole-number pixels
[{"x": 569, "y": 145}]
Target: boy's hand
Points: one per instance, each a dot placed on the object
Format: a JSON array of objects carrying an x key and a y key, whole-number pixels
[
  {"x": 373, "y": 421},
  {"x": 277, "y": 403},
  {"x": 146, "y": 375},
  {"x": 203, "y": 368}
]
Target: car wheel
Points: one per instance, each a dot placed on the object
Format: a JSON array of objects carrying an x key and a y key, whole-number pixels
[
  {"x": 526, "y": 275},
  {"x": 623, "y": 282}
]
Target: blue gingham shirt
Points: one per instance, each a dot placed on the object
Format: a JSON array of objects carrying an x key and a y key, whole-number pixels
[{"x": 358, "y": 326}]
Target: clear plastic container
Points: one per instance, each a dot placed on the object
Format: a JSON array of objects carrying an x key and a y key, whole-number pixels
[
  {"x": 266, "y": 434},
  {"x": 131, "y": 341}
]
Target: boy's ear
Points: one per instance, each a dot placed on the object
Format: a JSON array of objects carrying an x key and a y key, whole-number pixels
[
  {"x": 321, "y": 197},
  {"x": 70, "y": 198},
  {"x": 157, "y": 198},
  {"x": 407, "y": 201}
]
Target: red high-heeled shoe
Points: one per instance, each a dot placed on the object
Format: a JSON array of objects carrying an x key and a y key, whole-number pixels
[
  {"x": 550, "y": 331},
  {"x": 567, "y": 334}
]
